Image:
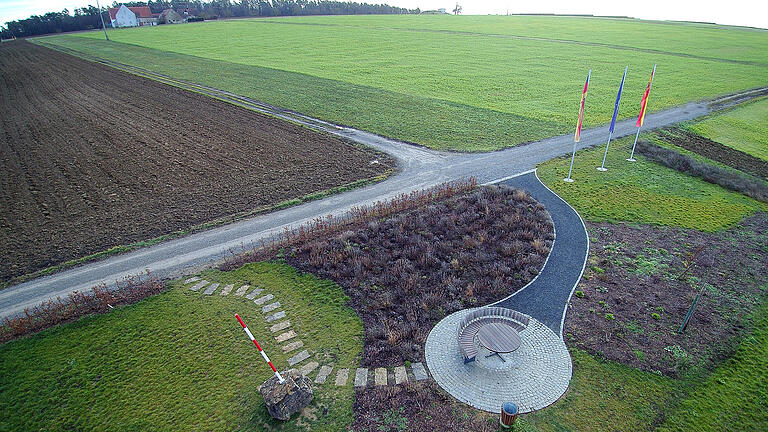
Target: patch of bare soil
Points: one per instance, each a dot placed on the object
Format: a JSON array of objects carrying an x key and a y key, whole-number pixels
[
  {"x": 406, "y": 272},
  {"x": 641, "y": 280},
  {"x": 93, "y": 157}
]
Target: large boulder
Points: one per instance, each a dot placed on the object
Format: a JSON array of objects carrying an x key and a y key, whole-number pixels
[{"x": 291, "y": 396}]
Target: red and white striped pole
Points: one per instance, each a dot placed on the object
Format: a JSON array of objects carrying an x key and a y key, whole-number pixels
[{"x": 261, "y": 351}]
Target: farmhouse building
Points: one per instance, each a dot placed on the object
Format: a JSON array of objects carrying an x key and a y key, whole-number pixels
[
  {"x": 170, "y": 16},
  {"x": 124, "y": 16}
]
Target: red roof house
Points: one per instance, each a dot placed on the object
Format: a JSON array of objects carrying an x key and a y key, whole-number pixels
[{"x": 124, "y": 16}]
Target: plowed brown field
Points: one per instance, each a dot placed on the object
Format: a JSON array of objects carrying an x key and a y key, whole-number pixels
[{"x": 92, "y": 157}]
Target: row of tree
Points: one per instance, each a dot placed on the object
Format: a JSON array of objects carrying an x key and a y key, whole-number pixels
[{"x": 87, "y": 18}]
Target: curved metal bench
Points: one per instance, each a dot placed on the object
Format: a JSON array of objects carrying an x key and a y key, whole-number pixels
[{"x": 471, "y": 323}]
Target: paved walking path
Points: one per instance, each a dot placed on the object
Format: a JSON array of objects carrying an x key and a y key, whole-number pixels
[
  {"x": 419, "y": 168},
  {"x": 538, "y": 373},
  {"x": 533, "y": 376},
  {"x": 546, "y": 297}
]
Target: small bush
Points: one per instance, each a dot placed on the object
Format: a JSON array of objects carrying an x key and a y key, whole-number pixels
[
  {"x": 609, "y": 317},
  {"x": 579, "y": 294},
  {"x": 655, "y": 316}
]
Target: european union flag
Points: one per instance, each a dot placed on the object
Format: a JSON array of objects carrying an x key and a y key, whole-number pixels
[{"x": 618, "y": 99}]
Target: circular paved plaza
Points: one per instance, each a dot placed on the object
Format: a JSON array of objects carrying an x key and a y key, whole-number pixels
[{"x": 534, "y": 376}]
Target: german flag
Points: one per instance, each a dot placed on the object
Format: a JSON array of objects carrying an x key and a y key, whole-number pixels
[
  {"x": 641, "y": 117},
  {"x": 577, "y": 135}
]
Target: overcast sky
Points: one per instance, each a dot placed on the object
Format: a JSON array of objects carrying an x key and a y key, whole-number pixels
[{"x": 753, "y": 13}]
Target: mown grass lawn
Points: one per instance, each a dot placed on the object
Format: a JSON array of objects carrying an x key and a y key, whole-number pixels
[
  {"x": 744, "y": 128},
  {"x": 643, "y": 191},
  {"x": 180, "y": 361},
  {"x": 605, "y": 395},
  {"x": 446, "y": 83}
]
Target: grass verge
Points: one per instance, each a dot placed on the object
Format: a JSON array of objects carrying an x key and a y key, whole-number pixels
[
  {"x": 643, "y": 191},
  {"x": 179, "y": 360},
  {"x": 605, "y": 395}
]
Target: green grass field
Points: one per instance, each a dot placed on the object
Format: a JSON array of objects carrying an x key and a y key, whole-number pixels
[
  {"x": 179, "y": 361},
  {"x": 643, "y": 192},
  {"x": 744, "y": 128},
  {"x": 455, "y": 83},
  {"x": 605, "y": 395}
]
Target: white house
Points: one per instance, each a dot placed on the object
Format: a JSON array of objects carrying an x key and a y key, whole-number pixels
[{"x": 124, "y": 16}]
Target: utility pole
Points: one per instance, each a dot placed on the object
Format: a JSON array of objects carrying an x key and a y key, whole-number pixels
[{"x": 102, "y": 20}]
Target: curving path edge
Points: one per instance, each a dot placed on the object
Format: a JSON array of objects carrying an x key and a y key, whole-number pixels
[{"x": 539, "y": 372}]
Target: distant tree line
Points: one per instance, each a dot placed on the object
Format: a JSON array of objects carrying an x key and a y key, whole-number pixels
[{"x": 87, "y": 18}]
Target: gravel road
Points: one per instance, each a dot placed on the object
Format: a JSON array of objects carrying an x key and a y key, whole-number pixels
[{"x": 419, "y": 168}]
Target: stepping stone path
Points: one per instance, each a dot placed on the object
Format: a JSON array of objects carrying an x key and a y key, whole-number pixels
[
  {"x": 211, "y": 288},
  {"x": 282, "y": 337},
  {"x": 292, "y": 346},
  {"x": 401, "y": 375},
  {"x": 241, "y": 291},
  {"x": 380, "y": 376},
  {"x": 275, "y": 316},
  {"x": 298, "y": 358},
  {"x": 308, "y": 368},
  {"x": 419, "y": 372},
  {"x": 341, "y": 377},
  {"x": 254, "y": 293},
  {"x": 288, "y": 339},
  {"x": 199, "y": 285},
  {"x": 323, "y": 374},
  {"x": 361, "y": 377},
  {"x": 280, "y": 326},
  {"x": 270, "y": 307},
  {"x": 261, "y": 300}
]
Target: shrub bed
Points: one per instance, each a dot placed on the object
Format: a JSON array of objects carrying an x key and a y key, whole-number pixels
[
  {"x": 405, "y": 273},
  {"x": 77, "y": 305},
  {"x": 646, "y": 278}
]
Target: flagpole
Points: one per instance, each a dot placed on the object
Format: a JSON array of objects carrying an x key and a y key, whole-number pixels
[
  {"x": 650, "y": 85},
  {"x": 602, "y": 166},
  {"x": 632, "y": 156},
  {"x": 613, "y": 119},
  {"x": 577, "y": 135}
]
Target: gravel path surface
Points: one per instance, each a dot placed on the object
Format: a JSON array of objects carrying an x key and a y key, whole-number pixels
[
  {"x": 419, "y": 168},
  {"x": 546, "y": 297}
]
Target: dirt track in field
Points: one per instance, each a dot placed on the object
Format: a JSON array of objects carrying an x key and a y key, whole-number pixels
[{"x": 93, "y": 157}]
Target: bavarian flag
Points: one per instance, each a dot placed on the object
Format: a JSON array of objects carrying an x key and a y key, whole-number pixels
[
  {"x": 644, "y": 102},
  {"x": 577, "y": 135}
]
